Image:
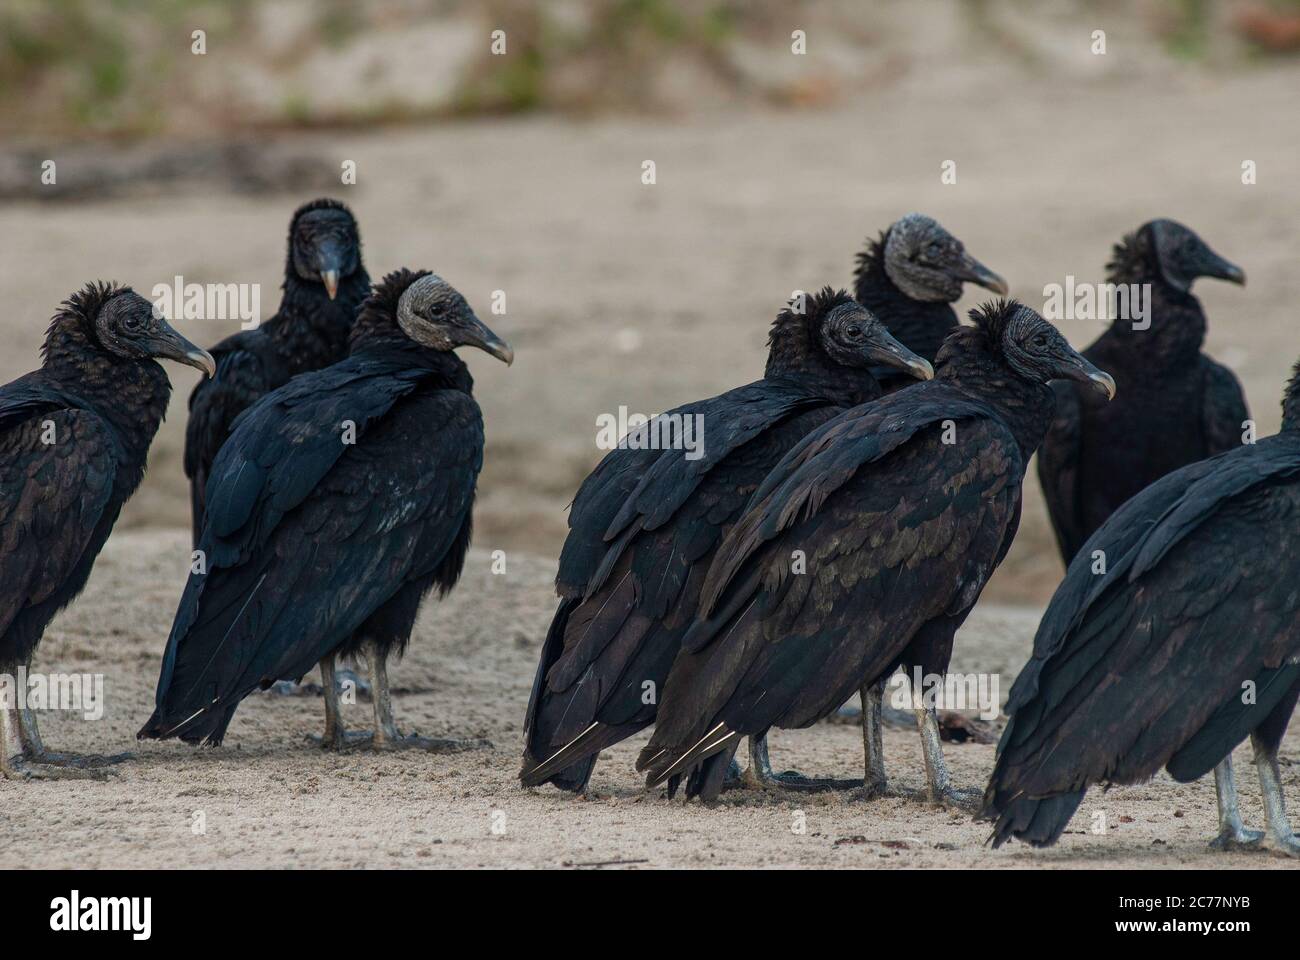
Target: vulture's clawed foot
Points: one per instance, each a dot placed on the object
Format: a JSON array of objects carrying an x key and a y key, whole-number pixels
[
  {"x": 1237, "y": 838},
  {"x": 874, "y": 788},
  {"x": 430, "y": 744},
  {"x": 1284, "y": 846},
  {"x": 61, "y": 766},
  {"x": 340, "y": 741},
  {"x": 794, "y": 780},
  {"x": 957, "y": 799}
]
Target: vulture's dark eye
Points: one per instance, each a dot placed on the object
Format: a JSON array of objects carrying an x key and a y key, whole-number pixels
[
  {"x": 132, "y": 322},
  {"x": 1040, "y": 340},
  {"x": 854, "y": 330},
  {"x": 935, "y": 249}
]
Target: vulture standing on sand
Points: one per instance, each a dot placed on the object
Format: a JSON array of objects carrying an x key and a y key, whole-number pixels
[
  {"x": 646, "y": 522},
  {"x": 900, "y": 511},
  {"x": 909, "y": 277},
  {"x": 324, "y": 284},
  {"x": 339, "y": 500},
  {"x": 1187, "y": 642},
  {"x": 1175, "y": 404},
  {"x": 74, "y": 436}
]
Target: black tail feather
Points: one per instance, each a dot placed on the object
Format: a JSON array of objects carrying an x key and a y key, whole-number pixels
[{"x": 1038, "y": 821}]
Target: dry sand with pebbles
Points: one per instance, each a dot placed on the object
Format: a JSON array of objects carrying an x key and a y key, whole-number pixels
[
  {"x": 620, "y": 294},
  {"x": 270, "y": 799}
]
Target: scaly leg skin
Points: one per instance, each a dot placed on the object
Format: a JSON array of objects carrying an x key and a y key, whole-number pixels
[
  {"x": 1233, "y": 834},
  {"x": 11, "y": 744},
  {"x": 32, "y": 761},
  {"x": 336, "y": 736},
  {"x": 1280, "y": 840},
  {"x": 760, "y": 774},
  {"x": 386, "y": 735},
  {"x": 938, "y": 783},
  {"x": 875, "y": 784}
]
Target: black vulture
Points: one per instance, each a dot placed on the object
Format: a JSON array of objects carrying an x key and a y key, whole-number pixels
[
  {"x": 645, "y": 523},
  {"x": 909, "y": 277},
  {"x": 901, "y": 509},
  {"x": 1167, "y": 649},
  {"x": 74, "y": 436},
  {"x": 1175, "y": 404},
  {"x": 339, "y": 500},
  {"x": 324, "y": 284}
]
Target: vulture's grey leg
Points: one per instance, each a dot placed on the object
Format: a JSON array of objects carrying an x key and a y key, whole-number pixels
[
  {"x": 40, "y": 763},
  {"x": 875, "y": 783},
  {"x": 760, "y": 773},
  {"x": 336, "y": 732},
  {"x": 386, "y": 735},
  {"x": 1233, "y": 834},
  {"x": 1280, "y": 837},
  {"x": 939, "y": 786},
  {"x": 11, "y": 744}
]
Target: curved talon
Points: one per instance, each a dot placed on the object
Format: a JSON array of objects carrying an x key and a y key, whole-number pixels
[{"x": 1238, "y": 839}]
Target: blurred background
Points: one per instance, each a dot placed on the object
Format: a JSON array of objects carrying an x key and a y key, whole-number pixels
[{"x": 522, "y": 172}]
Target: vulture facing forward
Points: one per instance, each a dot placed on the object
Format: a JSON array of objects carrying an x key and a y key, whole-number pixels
[
  {"x": 324, "y": 284},
  {"x": 646, "y": 522},
  {"x": 1186, "y": 644},
  {"x": 1175, "y": 404},
  {"x": 74, "y": 436},
  {"x": 339, "y": 500},
  {"x": 901, "y": 509},
  {"x": 909, "y": 277}
]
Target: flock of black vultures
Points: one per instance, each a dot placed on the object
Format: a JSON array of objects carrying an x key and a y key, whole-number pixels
[{"x": 844, "y": 516}]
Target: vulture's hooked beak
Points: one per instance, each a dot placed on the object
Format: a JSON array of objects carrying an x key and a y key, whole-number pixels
[
  {"x": 167, "y": 344},
  {"x": 971, "y": 270},
  {"x": 331, "y": 256},
  {"x": 1078, "y": 368},
  {"x": 1210, "y": 264},
  {"x": 331, "y": 280},
  {"x": 477, "y": 334},
  {"x": 883, "y": 349}
]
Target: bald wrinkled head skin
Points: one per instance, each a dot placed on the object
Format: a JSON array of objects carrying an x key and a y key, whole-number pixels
[
  {"x": 1035, "y": 349},
  {"x": 434, "y": 314},
  {"x": 117, "y": 324},
  {"x": 128, "y": 326},
  {"x": 929, "y": 264},
  {"x": 833, "y": 338}
]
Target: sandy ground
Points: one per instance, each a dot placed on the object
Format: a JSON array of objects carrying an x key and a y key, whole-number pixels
[
  {"x": 270, "y": 799},
  {"x": 621, "y": 294}
]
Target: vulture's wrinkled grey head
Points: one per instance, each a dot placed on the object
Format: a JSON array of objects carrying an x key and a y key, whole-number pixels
[
  {"x": 128, "y": 326},
  {"x": 1036, "y": 350},
  {"x": 853, "y": 336},
  {"x": 434, "y": 314},
  {"x": 1182, "y": 256},
  {"x": 324, "y": 246},
  {"x": 928, "y": 263}
]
